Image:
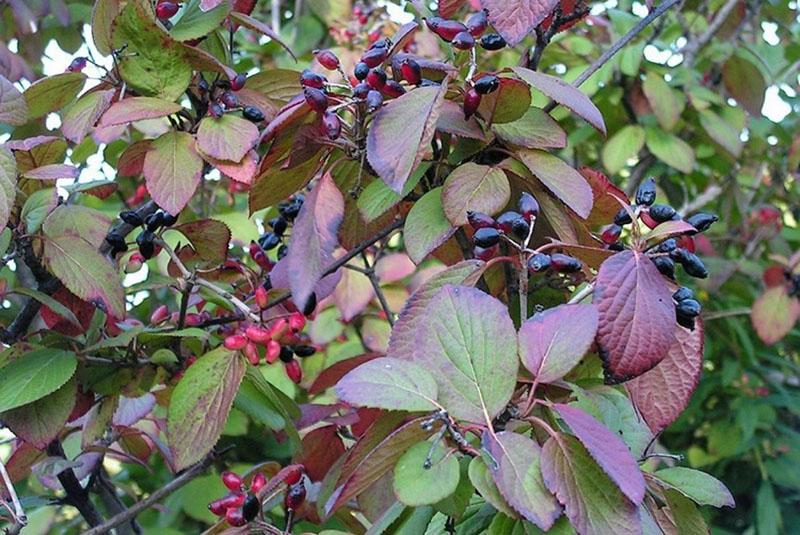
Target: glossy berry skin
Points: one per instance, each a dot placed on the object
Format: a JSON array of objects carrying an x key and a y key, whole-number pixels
[
  {"x": 611, "y": 234},
  {"x": 383, "y": 42},
  {"x": 374, "y": 100},
  {"x": 295, "y": 496},
  {"x": 294, "y": 371},
  {"x": 662, "y": 212},
  {"x": 622, "y": 218},
  {"x": 667, "y": 246},
  {"x": 316, "y": 99},
  {"x": 269, "y": 241},
  {"x": 645, "y": 218},
  {"x": 563, "y": 263},
  {"x": 154, "y": 220},
  {"x": 77, "y": 65},
  {"x": 374, "y": 57},
  {"x": 235, "y": 342},
  {"x": 273, "y": 352},
  {"x": 238, "y": 81},
  {"x": 117, "y": 242},
  {"x": 253, "y": 114},
  {"x": 480, "y": 220},
  {"x": 332, "y": 125},
  {"x": 311, "y": 305},
  {"x": 376, "y": 79},
  {"x": 487, "y": 84},
  {"x": 528, "y": 206},
  {"x": 217, "y": 508},
  {"x": 287, "y": 355},
  {"x": 477, "y": 23},
  {"x": 520, "y": 228},
  {"x": 235, "y": 518},
  {"x": 393, "y": 89},
  {"x": 131, "y": 217},
  {"x": 159, "y": 314},
  {"x": 505, "y": 221},
  {"x": 463, "y": 41},
  {"x": 233, "y": 500},
  {"x": 145, "y": 242},
  {"x": 293, "y": 475},
  {"x": 689, "y": 308},
  {"x": 665, "y": 266},
  {"x": 484, "y": 253},
  {"x": 472, "y": 99},
  {"x": 702, "y": 221},
  {"x": 309, "y": 78},
  {"x": 694, "y": 267},
  {"x": 361, "y": 90},
  {"x": 215, "y": 110},
  {"x": 682, "y": 293},
  {"x": 327, "y": 59},
  {"x": 296, "y": 322},
  {"x": 304, "y": 351},
  {"x": 539, "y": 262},
  {"x": 492, "y": 41},
  {"x": 229, "y": 99},
  {"x": 360, "y": 71},
  {"x": 258, "y": 483},
  {"x": 486, "y": 237},
  {"x": 646, "y": 192},
  {"x": 250, "y": 507},
  {"x": 167, "y": 219},
  {"x": 411, "y": 71},
  {"x": 166, "y": 10},
  {"x": 446, "y": 29},
  {"x": 261, "y": 298}
]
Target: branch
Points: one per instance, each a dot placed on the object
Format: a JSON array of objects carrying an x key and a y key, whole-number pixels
[
  {"x": 77, "y": 496},
  {"x": 20, "y": 519},
  {"x": 693, "y": 46},
  {"x": 376, "y": 286}
]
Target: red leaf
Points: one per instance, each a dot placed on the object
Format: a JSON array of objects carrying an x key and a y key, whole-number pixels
[
  {"x": 448, "y": 8},
  {"x": 661, "y": 394},
  {"x": 606, "y": 195},
  {"x": 322, "y": 447},
  {"x": 516, "y": 19},
  {"x": 137, "y": 109},
  {"x": 83, "y": 312},
  {"x": 637, "y": 315},
  {"x": 560, "y": 178}
]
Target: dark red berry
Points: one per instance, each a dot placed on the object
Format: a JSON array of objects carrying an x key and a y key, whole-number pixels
[
  {"x": 360, "y": 91},
  {"x": 506, "y": 220},
  {"x": 294, "y": 474},
  {"x": 217, "y": 508},
  {"x": 647, "y": 220},
  {"x": 486, "y": 253},
  {"x": 702, "y": 221},
  {"x": 472, "y": 99},
  {"x": 492, "y": 41},
  {"x": 253, "y": 114},
  {"x": 463, "y": 41},
  {"x": 376, "y": 78},
  {"x": 477, "y": 23},
  {"x": 309, "y": 78},
  {"x": 646, "y": 192},
  {"x": 327, "y": 59},
  {"x": 361, "y": 71},
  {"x": 294, "y": 371},
  {"x": 374, "y": 57},
  {"x": 411, "y": 71},
  {"x": 487, "y": 84},
  {"x": 564, "y": 263},
  {"x": 232, "y": 501},
  {"x": 528, "y": 206},
  {"x": 661, "y": 212},
  {"x": 77, "y": 64},
  {"x": 448, "y": 29},
  {"x": 486, "y": 237},
  {"x": 238, "y": 81},
  {"x": 215, "y": 110},
  {"x": 250, "y": 507},
  {"x": 295, "y": 496},
  {"x": 166, "y": 10},
  {"x": 258, "y": 483},
  {"x": 393, "y": 89},
  {"x": 235, "y": 518},
  {"x": 374, "y": 100},
  {"x": 332, "y": 124},
  {"x": 480, "y": 220},
  {"x": 611, "y": 234},
  {"x": 539, "y": 262},
  {"x": 229, "y": 99},
  {"x": 316, "y": 99}
]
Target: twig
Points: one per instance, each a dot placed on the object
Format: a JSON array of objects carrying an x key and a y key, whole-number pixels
[
  {"x": 693, "y": 46},
  {"x": 376, "y": 285},
  {"x": 77, "y": 496},
  {"x": 20, "y": 519},
  {"x": 719, "y": 314},
  {"x": 712, "y": 192},
  {"x": 584, "y": 292}
]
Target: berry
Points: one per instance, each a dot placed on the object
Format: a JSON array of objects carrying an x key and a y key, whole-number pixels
[
  {"x": 376, "y": 79},
  {"x": 702, "y": 221},
  {"x": 361, "y": 90},
  {"x": 215, "y": 110},
  {"x": 229, "y": 99},
  {"x": 539, "y": 262},
  {"x": 117, "y": 242},
  {"x": 480, "y": 220},
  {"x": 250, "y": 507},
  {"x": 374, "y": 100},
  {"x": 217, "y": 508},
  {"x": 528, "y": 206},
  {"x": 485, "y": 254},
  {"x": 486, "y": 237},
  {"x": 159, "y": 314},
  {"x": 278, "y": 225},
  {"x": 238, "y": 81},
  {"x": 411, "y": 71},
  {"x": 374, "y": 56},
  {"x": 311, "y": 305},
  {"x": 235, "y": 342},
  {"x": 131, "y": 217},
  {"x": 472, "y": 99},
  {"x": 665, "y": 266},
  {"x": 332, "y": 124},
  {"x": 287, "y": 355},
  {"x": 361, "y": 70},
  {"x": 647, "y": 220},
  {"x": 520, "y": 228},
  {"x": 646, "y": 192},
  {"x": 231, "y": 480},
  {"x": 682, "y": 294},
  {"x": 487, "y": 84},
  {"x": 316, "y": 99},
  {"x": 235, "y": 518},
  {"x": 154, "y": 220},
  {"x": 393, "y": 89},
  {"x": 233, "y": 500},
  {"x": 253, "y": 114},
  {"x": 463, "y": 41},
  {"x": 563, "y": 263},
  {"x": 294, "y": 371},
  {"x": 251, "y": 353},
  {"x": 691, "y": 263},
  {"x": 135, "y": 263},
  {"x": 327, "y": 59},
  {"x": 623, "y": 217},
  {"x": 294, "y": 474},
  {"x": 295, "y": 496},
  {"x": 378, "y": 41},
  {"x": 166, "y": 10},
  {"x": 257, "y": 334},
  {"x": 477, "y": 23},
  {"x": 258, "y": 483},
  {"x": 273, "y": 352},
  {"x": 611, "y": 234},
  {"x": 168, "y": 219},
  {"x": 689, "y": 308},
  {"x": 492, "y": 41},
  {"x": 667, "y": 246},
  {"x": 296, "y": 322},
  {"x": 446, "y": 29},
  {"x": 145, "y": 242},
  {"x": 309, "y": 78},
  {"x": 506, "y": 220},
  {"x": 662, "y": 212},
  {"x": 77, "y": 64},
  {"x": 303, "y": 351},
  {"x": 684, "y": 321}
]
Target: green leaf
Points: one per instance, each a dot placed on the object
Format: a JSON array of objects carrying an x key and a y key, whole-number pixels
[
  {"x": 702, "y": 488},
  {"x": 426, "y": 226},
  {"x": 172, "y": 170},
  {"x": 79, "y": 118},
  {"x": 622, "y": 146},
  {"x": 377, "y": 198},
  {"x": 133, "y": 109},
  {"x": 663, "y": 100},
  {"x": 8, "y": 182},
  {"x": 507, "y": 104},
  {"x": 774, "y": 314},
  {"x": 34, "y": 375},
  {"x": 103, "y": 15},
  {"x": 745, "y": 83},
  {"x": 670, "y": 149},
  {"x": 275, "y": 184},
  {"x": 195, "y": 23},
  {"x": 481, "y": 478},
  {"x": 200, "y": 404},
  {"x": 473, "y": 187},
  {"x": 769, "y": 520},
  {"x": 722, "y": 132},
  {"x": 39, "y": 422},
  {"x": 415, "y": 484},
  {"x": 252, "y": 401},
  {"x": 685, "y": 515},
  {"x": 13, "y": 108},
  {"x": 52, "y": 93},
  {"x": 534, "y": 130},
  {"x": 87, "y": 223},
  {"x": 226, "y": 138},
  {"x": 388, "y": 383}
]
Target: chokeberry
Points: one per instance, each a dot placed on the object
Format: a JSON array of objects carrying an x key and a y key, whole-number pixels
[
  {"x": 539, "y": 262},
  {"x": 229, "y": 99},
  {"x": 528, "y": 206},
  {"x": 215, "y": 110},
  {"x": 702, "y": 221},
  {"x": 145, "y": 241},
  {"x": 480, "y": 220},
  {"x": 253, "y": 114},
  {"x": 309, "y": 78},
  {"x": 303, "y": 351},
  {"x": 662, "y": 212},
  {"x": 683, "y": 293},
  {"x": 487, "y": 84},
  {"x": 486, "y": 237},
  {"x": 282, "y": 251},
  {"x": 167, "y": 219},
  {"x": 77, "y": 64},
  {"x": 691, "y": 263},
  {"x": 685, "y": 321},
  {"x": 623, "y": 217},
  {"x": 564, "y": 263},
  {"x": 383, "y": 42},
  {"x": 492, "y": 41},
  {"x": 361, "y": 70},
  {"x": 360, "y": 91},
  {"x": 472, "y": 99},
  {"x": 250, "y": 507},
  {"x": 477, "y": 23},
  {"x": 153, "y": 221},
  {"x": 665, "y": 265},
  {"x": 463, "y": 41}
]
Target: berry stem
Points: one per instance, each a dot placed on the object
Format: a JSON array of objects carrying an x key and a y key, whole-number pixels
[{"x": 583, "y": 293}]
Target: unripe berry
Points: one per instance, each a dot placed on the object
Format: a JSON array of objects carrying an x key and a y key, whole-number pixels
[
  {"x": 273, "y": 352},
  {"x": 166, "y": 10},
  {"x": 393, "y": 89},
  {"x": 257, "y": 334},
  {"x": 480, "y": 220},
  {"x": 565, "y": 263},
  {"x": 361, "y": 90},
  {"x": 611, "y": 234},
  {"x": 528, "y": 206},
  {"x": 411, "y": 71},
  {"x": 135, "y": 263},
  {"x": 297, "y": 322},
  {"x": 485, "y": 253},
  {"x": 463, "y": 41},
  {"x": 261, "y": 298},
  {"x": 258, "y": 483},
  {"x": 309, "y": 78},
  {"x": 477, "y": 23},
  {"x": 77, "y": 64},
  {"x": 316, "y": 99},
  {"x": 472, "y": 99},
  {"x": 327, "y": 59},
  {"x": 279, "y": 328},
  {"x": 446, "y": 29},
  {"x": 294, "y": 371},
  {"x": 233, "y": 500},
  {"x": 217, "y": 508},
  {"x": 374, "y": 56},
  {"x": 647, "y": 220},
  {"x": 231, "y": 480},
  {"x": 238, "y": 81},
  {"x": 235, "y": 342},
  {"x": 376, "y": 79},
  {"x": 235, "y": 518},
  {"x": 294, "y": 473},
  {"x": 251, "y": 353},
  {"x": 295, "y": 496},
  {"x": 159, "y": 314}
]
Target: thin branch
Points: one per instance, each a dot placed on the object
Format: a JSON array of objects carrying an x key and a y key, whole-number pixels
[
  {"x": 376, "y": 286},
  {"x": 77, "y": 496},
  {"x": 584, "y": 292},
  {"x": 20, "y": 519},
  {"x": 695, "y": 45}
]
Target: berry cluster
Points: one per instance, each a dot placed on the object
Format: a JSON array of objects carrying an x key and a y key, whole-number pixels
[
  {"x": 221, "y": 98},
  {"x": 191, "y": 319},
  {"x": 146, "y": 238},
  {"x": 687, "y": 308},
  {"x": 241, "y": 505},
  {"x": 287, "y": 212}
]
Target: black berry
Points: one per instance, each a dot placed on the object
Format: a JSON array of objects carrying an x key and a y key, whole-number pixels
[
  {"x": 646, "y": 192},
  {"x": 622, "y": 218},
  {"x": 492, "y": 41},
  {"x": 253, "y": 114},
  {"x": 487, "y": 84},
  {"x": 131, "y": 217},
  {"x": 665, "y": 265},
  {"x": 538, "y": 262},
  {"x": 662, "y": 212},
  {"x": 486, "y": 237},
  {"x": 250, "y": 507},
  {"x": 564, "y": 263},
  {"x": 702, "y": 221}
]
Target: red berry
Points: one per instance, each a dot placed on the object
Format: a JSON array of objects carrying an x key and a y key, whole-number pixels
[
  {"x": 77, "y": 64},
  {"x": 472, "y": 99},
  {"x": 309, "y": 78},
  {"x": 528, "y": 206},
  {"x": 258, "y": 483},
  {"x": 296, "y": 322},
  {"x": 477, "y": 23},
  {"x": 273, "y": 352},
  {"x": 449, "y": 29},
  {"x": 316, "y": 99},
  {"x": 463, "y": 41},
  {"x": 295, "y": 496},
  {"x": 235, "y": 342},
  {"x": 251, "y": 352},
  {"x": 611, "y": 234},
  {"x": 375, "y": 56},
  {"x": 278, "y": 329},
  {"x": 647, "y": 219},
  {"x": 166, "y": 10},
  {"x": 565, "y": 263},
  {"x": 232, "y": 501},
  {"x": 238, "y": 81},
  {"x": 374, "y": 100},
  {"x": 159, "y": 314},
  {"x": 217, "y": 508},
  {"x": 229, "y": 99},
  {"x": 327, "y": 59},
  {"x": 376, "y": 78},
  {"x": 294, "y": 371},
  {"x": 480, "y": 220},
  {"x": 485, "y": 253},
  {"x": 393, "y": 89},
  {"x": 411, "y": 71},
  {"x": 231, "y": 480},
  {"x": 332, "y": 124},
  {"x": 261, "y": 298},
  {"x": 294, "y": 474},
  {"x": 235, "y": 518},
  {"x": 258, "y": 334}
]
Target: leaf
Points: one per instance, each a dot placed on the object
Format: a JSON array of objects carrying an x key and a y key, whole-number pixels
[
  {"x": 226, "y": 138},
  {"x": 388, "y": 383},
  {"x": 275, "y": 185},
  {"x": 615, "y": 410},
  {"x": 774, "y": 314},
  {"x": 722, "y": 132},
  {"x": 401, "y": 132},
  {"x": 53, "y": 171},
  {"x": 8, "y": 184},
  {"x": 534, "y": 130},
  {"x": 702, "y": 488},
  {"x": 507, "y": 104},
  {"x": 474, "y": 187},
  {"x": 243, "y": 171},
  {"x": 687, "y": 519},
  {"x": 52, "y": 93},
  {"x": 515, "y": 20},
  {"x": 13, "y": 108},
  {"x": 621, "y": 147},
  {"x": 519, "y": 479},
  {"x": 552, "y": 342},
  {"x": 769, "y": 519},
  {"x": 87, "y": 223},
  {"x": 565, "y": 94},
  {"x": 662, "y": 99},
  {"x": 200, "y": 403},
  {"x": 637, "y": 315},
  {"x": 565, "y": 182},
  {"x": 209, "y": 237},
  {"x": 377, "y": 198},
  {"x": 314, "y": 238},
  {"x": 607, "y": 449},
  {"x": 451, "y": 120},
  {"x": 195, "y": 23},
  {"x": 353, "y": 294},
  {"x": 41, "y": 421},
  {"x": 426, "y": 226},
  {"x": 670, "y": 149},
  {"x": 593, "y": 504},
  {"x": 133, "y": 109},
  {"x": 481, "y": 478},
  {"x": 80, "y": 117},
  {"x": 661, "y": 394},
  {"x": 172, "y": 170},
  {"x": 254, "y": 403},
  {"x": 50, "y": 303},
  {"x": 34, "y": 375},
  {"x": 468, "y": 344},
  {"x": 103, "y": 15},
  {"x": 745, "y": 83},
  {"x": 153, "y": 64},
  {"x": 668, "y": 229},
  {"x": 416, "y": 485}
]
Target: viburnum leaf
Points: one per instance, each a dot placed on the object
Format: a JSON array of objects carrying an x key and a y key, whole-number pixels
[
  {"x": 52, "y": 93},
  {"x": 80, "y": 117},
  {"x": 745, "y": 83},
  {"x": 552, "y": 342},
  {"x": 133, "y": 109},
  {"x": 684, "y": 514},
  {"x": 8, "y": 184},
  {"x": 103, "y": 15},
  {"x": 314, "y": 238},
  {"x": 353, "y": 294},
  {"x": 565, "y": 94},
  {"x": 243, "y": 171},
  {"x": 53, "y": 171},
  {"x": 426, "y": 226},
  {"x": 448, "y": 8},
  {"x": 607, "y": 449},
  {"x": 722, "y": 132},
  {"x": 451, "y": 120},
  {"x": 519, "y": 479},
  {"x": 534, "y": 130},
  {"x": 668, "y": 229},
  {"x": 256, "y": 25},
  {"x": 508, "y": 104},
  {"x": 662, "y": 99},
  {"x": 637, "y": 316},
  {"x": 670, "y": 149},
  {"x": 774, "y": 314},
  {"x": 468, "y": 344},
  {"x": 474, "y": 187},
  {"x": 377, "y": 198},
  {"x": 622, "y": 146},
  {"x": 13, "y": 108},
  {"x": 209, "y": 237},
  {"x": 195, "y": 23},
  {"x": 200, "y": 403},
  {"x": 565, "y": 182},
  {"x": 172, "y": 170},
  {"x": 35, "y": 375},
  {"x": 661, "y": 394},
  {"x": 226, "y": 138},
  {"x": 415, "y": 484},
  {"x": 274, "y": 185},
  {"x": 401, "y": 132},
  {"x": 41, "y": 421},
  {"x": 515, "y": 20},
  {"x": 85, "y": 222},
  {"x": 388, "y": 383},
  {"x": 702, "y": 488},
  {"x": 606, "y": 196},
  {"x": 593, "y": 503}
]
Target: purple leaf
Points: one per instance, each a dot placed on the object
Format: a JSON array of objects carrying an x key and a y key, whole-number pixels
[
  {"x": 314, "y": 238},
  {"x": 401, "y": 132},
  {"x": 133, "y": 109},
  {"x": 13, "y": 109},
  {"x": 661, "y": 394},
  {"x": 607, "y": 449},
  {"x": 516, "y": 19},
  {"x": 637, "y": 315},
  {"x": 80, "y": 117},
  {"x": 565, "y": 94},
  {"x": 451, "y": 120},
  {"x": 172, "y": 170},
  {"x": 564, "y": 181},
  {"x": 52, "y": 171},
  {"x": 388, "y": 383},
  {"x": 209, "y": 237},
  {"x": 668, "y": 229},
  {"x": 552, "y": 342}
]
